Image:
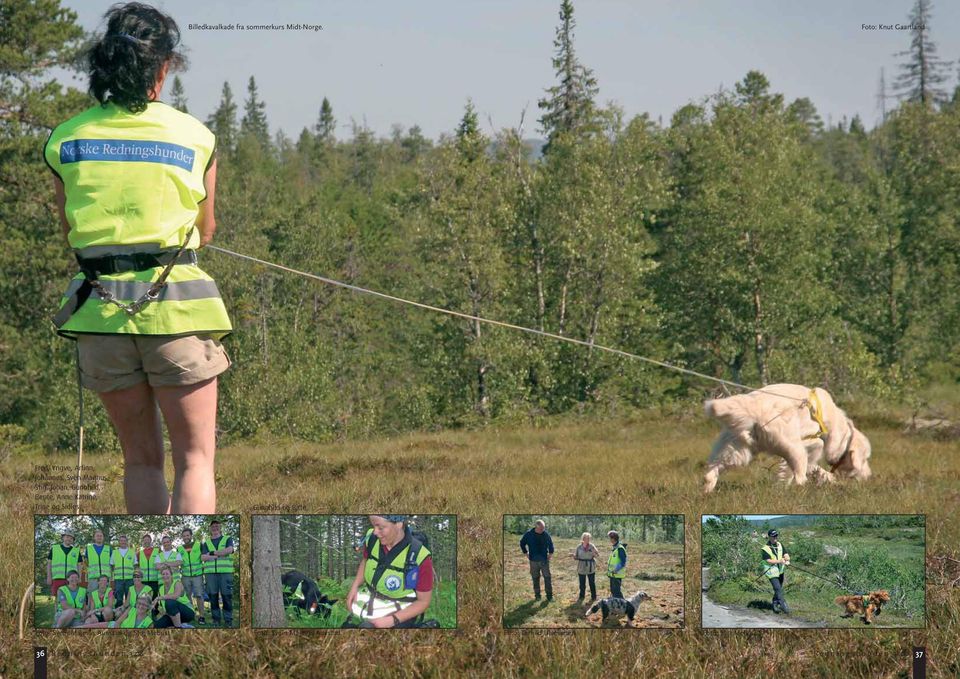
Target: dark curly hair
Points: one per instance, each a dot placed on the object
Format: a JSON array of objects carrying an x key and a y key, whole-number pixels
[{"x": 125, "y": 63}]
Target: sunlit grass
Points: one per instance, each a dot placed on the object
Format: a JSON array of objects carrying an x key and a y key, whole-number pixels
[{"x": 643, "y": 464}]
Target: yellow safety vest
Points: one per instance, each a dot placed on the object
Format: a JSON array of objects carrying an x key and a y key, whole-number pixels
[
  {"x": 123, "y": 564},
  {"x": 190, "y": 560},
  {"x": 183, "y": 598},
  {"x": 130, "y": 621},
  {"x": 773, "y": 570},
  {"x": 97, "y": 601},
  {"x": 74, "y": 599},
  {"x": 222, "y": 564},
  {"x": 398, "y": 580},
  {"x": 133, "y": 185},
  {"x": 172, "y": 561},
  {"x": 613, "y": 562},
  {"x": 147, "y": 566},
  {"x": 61, "y": 563},
  {"x": 97, "y": 565},
  {"x": 133, "y": 595}
]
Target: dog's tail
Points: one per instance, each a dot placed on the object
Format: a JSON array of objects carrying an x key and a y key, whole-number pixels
[
  {"x": 593, "y": 609},
  {"x": 728, "y": 410},
  {"x": 840, "y": 600}
]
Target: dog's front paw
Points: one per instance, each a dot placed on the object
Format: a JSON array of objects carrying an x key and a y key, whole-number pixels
[{"x": 820, "y": 475}]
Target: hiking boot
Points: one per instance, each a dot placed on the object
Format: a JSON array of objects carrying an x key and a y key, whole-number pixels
[
  {"x": 549, "y": 598},
  {"x": 580, "y": 600},
  {"x": 536, "y": 597}
]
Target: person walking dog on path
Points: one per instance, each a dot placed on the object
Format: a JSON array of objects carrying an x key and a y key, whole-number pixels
[
  {"x": 538, "y": 547},
  {"x": 775, "y": 561}
]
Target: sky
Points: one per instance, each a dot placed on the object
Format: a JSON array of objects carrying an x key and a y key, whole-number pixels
[
  {"x": 383, "y": 63},
  {"x": 749, "y": 517}
]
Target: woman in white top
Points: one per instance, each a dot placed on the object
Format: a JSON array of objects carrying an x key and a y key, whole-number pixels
[{"x": 586, "y": 555}]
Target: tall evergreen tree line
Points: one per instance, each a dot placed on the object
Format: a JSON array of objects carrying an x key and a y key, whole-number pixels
[
  {"x": 744, "y": 239},
  {"x": 330, "y": 546}
]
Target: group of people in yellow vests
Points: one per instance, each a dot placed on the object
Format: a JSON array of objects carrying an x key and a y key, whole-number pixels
[{"x": 124, "y": 587}]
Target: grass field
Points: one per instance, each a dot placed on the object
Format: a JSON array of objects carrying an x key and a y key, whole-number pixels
[
  {"x": 647, "y": 463},
  {"x": 657, "y": 569}
]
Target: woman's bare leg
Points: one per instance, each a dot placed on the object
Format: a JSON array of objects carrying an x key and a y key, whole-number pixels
[
  {"x": 134, "y": 415},
  {"x": 191, "y": 416}
]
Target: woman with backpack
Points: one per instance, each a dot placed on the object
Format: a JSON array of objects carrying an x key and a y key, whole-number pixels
[{"x": 394, "y": 582}]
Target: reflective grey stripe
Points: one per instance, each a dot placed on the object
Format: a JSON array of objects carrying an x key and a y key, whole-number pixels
[
  {"x": 173, "y": 292},
  {"x": 95, "y": 251}
]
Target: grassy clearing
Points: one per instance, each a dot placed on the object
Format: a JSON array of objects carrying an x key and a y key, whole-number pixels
[
  {"x": 646, "y": 463},
  {"x": 656, "y": 569}
]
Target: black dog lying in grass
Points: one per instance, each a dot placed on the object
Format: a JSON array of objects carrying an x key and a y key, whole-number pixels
[
  {"x": 302, "y": 592},
  {"x": 617, "y": 607}
]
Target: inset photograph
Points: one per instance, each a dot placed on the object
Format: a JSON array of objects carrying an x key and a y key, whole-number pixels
[
  {"x": 813, "y": 570},
  {"x": 136, "y": 572},
  {"x": 593, "y": 570},
  {"x": 355, "y": 571}
]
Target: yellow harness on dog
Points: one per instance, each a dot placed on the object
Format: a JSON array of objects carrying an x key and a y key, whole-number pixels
[{"x": 816, "y": 412}]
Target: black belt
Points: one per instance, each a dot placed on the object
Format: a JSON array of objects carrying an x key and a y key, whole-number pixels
[
  {"x": 135, "y": 261},
  {"x": 92, "y": 267}
]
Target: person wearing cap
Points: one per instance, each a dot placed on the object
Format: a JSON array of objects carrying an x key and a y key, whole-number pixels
[
  {"x": 216, "y": 553},
  {"x": 616, "y": 564},
  {"x": 71, "y": 600},
  {"x": 138, "y": 589},
  {"x": 537, "y": 544},
  {"x": 61, "y": 559},
  {"x": 394, "y": 583},
  {"x": 775, "y": 560}
]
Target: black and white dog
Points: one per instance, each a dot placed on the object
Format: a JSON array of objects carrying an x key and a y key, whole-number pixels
[
  {"x": 617, "y": 607},
  {"x": 302, "y": 592}
]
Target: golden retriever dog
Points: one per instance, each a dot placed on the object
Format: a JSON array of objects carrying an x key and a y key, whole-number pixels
[
  {"x": 782, "y": 420},
  {"x": 866, "y": 605}
]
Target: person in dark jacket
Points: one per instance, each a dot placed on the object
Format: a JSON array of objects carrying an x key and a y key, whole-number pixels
[{"x": 538, "y": 547}]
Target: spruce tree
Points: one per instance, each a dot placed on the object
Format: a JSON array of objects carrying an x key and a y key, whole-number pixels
[
  {"x": 178, "y": 95},
  {"x": 326, "y": 124},
  {"x": 569, "y": 106},
  {"x": 923, "y": 74},
  {"x": 470, "y": 141},
  {"x": 254, "y": 121},
  {"x": 223, "y": 122}
]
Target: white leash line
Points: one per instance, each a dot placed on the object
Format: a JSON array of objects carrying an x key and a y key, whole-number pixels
[{"x": 502, "y": 324}]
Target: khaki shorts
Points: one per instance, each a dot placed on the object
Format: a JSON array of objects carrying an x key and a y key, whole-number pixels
[
  {"x": 193, "y": 585},
  {"x": 113, "y": 362}
]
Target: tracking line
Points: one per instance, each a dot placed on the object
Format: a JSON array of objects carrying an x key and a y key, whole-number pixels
[{"x": 488, "y": 321}]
